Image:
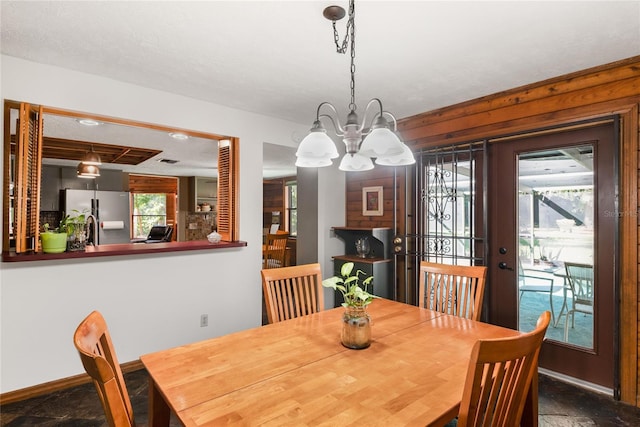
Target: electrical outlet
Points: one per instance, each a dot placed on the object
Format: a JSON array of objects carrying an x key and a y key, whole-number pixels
[{"x": 204, "y": 320}]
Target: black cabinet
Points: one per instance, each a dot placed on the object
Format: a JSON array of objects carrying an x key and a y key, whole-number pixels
[
  {"x": 109, "y": 180},
  {"x": 378, "y": 263},
  {"x": 50, "y": 183}
]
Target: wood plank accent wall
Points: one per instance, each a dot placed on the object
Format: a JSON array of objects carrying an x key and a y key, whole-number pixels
[
  {"x": 152, "y": 184},
  {"x": 273, "y": 200},
  {"x": 596, "y": 92},
  {"x": 379, "y": 176}
]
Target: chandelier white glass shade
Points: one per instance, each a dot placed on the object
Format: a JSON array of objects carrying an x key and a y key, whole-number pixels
[
  {"x": 402, "y": 159},
  {"x": 355, "y": 163},
  {"x": 362, "y": 144},
  {"x": 316, "y": 149}
]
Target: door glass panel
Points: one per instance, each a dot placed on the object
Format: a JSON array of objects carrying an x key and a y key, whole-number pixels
[{"x": 556, "y": 235}]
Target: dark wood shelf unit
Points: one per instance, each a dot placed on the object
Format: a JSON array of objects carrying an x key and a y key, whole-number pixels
[{"x": 377, "y": 264}]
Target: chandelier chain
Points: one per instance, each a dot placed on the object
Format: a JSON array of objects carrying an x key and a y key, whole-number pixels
[
  {"x": 336, "y": 38},
  {"x": 352, "y": 105},
  {"x": 349, "y": 35}
]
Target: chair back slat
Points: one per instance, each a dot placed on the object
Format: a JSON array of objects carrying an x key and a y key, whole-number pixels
[
  {"x": 291, "y": 292},
  {"x": 499, "y": 377},
  {"x": 93, "y": 342},
  {"x": 452, "y": 289}
]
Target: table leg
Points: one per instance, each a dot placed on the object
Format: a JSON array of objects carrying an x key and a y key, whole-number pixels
[
  {"x": 159, "y": 411},
  {"x": 530, "y": 413}
]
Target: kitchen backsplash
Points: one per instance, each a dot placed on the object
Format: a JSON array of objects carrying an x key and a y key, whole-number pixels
[
  {"x": 199, "y": 225},
  {"x": 50, "y": 217}
]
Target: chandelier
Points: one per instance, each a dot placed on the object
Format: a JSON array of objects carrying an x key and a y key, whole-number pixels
[{"x": 362, "y": 143}]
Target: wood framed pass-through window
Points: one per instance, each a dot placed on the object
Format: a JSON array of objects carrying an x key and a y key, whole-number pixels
[{"x": 37, "y": 135}]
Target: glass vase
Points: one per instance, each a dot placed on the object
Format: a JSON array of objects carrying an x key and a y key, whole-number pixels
[
  {"x": 356, "y": 328},
  {"x": 362, "y": 247},
  {"x": 77, "y": 238}
]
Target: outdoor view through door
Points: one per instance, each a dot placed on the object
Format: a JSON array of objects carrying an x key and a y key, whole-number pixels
[{"x": 556, "y": 230}]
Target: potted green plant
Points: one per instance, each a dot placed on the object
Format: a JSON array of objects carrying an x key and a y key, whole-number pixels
[
  {"x": 356, "y": 323},
  {"x": 54, "y": 241},
  {"x": 69, "y": 235}
]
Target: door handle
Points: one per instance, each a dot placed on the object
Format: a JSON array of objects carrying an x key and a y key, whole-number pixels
[{"x": 503, "y": 266}]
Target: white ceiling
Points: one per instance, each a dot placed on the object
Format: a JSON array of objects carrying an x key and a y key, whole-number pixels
[{"x": 277, "y": 58}]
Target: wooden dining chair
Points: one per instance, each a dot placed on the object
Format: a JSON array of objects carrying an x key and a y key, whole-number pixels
[
  {"x": 93, "y": 342},
  {"x": 499, "y": 378},
  {"x": 273, "y": 253},
  {"x": 292, "y": 291},
  {"x": 452, "y": 289}
]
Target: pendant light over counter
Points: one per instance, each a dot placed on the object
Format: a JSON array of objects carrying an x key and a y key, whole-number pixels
[{"x": 88, "y": 167}]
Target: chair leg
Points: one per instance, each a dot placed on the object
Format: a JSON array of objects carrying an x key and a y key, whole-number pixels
[
  {"x": 566, "y": 324},
  {"x": 553, "y": 313}
]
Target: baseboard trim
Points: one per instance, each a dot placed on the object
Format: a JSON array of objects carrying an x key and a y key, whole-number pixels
[
  {"x": 61, "y": 384},
  {"x": 577, "y": 382}
]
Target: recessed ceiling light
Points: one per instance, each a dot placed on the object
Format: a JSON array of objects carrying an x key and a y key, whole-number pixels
[
  {"x": 180, "y": 136},
  {"x": 88, "y": 122}
]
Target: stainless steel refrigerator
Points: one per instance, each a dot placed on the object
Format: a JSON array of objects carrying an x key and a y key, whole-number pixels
[{"x": 111, "y": 210}]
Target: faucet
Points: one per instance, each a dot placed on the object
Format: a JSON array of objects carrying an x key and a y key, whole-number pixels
[{"x": 92, "y": 230}]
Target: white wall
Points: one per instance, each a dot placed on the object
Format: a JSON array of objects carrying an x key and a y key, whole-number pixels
[
  {"x": 331, "y": 213},
  {"x": 150, "y": 302}
]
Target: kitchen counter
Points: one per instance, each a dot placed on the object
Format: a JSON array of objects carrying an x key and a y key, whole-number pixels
[{"x": 125, "y": 249}]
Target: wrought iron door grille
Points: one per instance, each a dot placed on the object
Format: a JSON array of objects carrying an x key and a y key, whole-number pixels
[
  {"x": 449, "y": 211},
  {"x": 448, "y": 226}
]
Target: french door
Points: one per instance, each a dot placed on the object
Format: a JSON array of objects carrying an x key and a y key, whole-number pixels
[
  {"x": 552, "y": 233},
  {"x": 540, "y": 212}
]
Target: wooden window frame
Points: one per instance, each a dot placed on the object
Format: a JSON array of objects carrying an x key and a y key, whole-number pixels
[{"x": 27, "y": 182}]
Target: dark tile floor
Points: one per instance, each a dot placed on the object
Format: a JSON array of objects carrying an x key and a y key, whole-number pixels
[{"x": 561, "y": 405}]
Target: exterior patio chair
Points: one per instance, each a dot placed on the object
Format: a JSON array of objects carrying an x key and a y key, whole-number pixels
[
  {"x": 580, "y": 280},
  {"x": 529, "y": 281}
]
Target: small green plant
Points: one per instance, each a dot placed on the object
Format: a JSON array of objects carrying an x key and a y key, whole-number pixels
[
  {"x": 349, "y": 285},
  {"x": 46, "y": 228},
  {"x": 71, "y": 222},
  {"x": 68, "y": 223}
]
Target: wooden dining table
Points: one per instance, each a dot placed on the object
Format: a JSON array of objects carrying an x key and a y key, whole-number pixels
[{"x": 296, "y": 372}]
